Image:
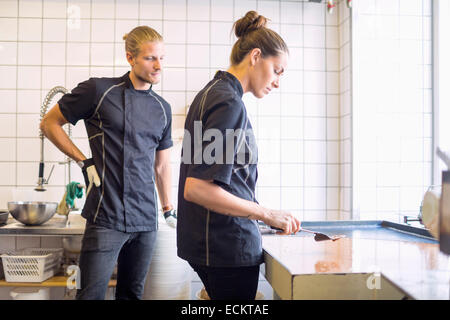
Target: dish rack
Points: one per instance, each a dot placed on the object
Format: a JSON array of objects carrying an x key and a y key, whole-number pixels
[{"x": 31, "y": 264}]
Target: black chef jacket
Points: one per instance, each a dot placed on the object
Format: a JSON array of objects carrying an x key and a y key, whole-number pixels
[
  {"x": 125, "y": 128},
  {"x": 205, "y": 237}
]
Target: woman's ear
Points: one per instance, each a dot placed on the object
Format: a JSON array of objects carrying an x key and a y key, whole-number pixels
[{"x": 255, "y": 55}]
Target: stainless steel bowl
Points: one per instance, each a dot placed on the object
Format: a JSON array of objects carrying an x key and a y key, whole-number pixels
[{"x": 32, "y": 213}]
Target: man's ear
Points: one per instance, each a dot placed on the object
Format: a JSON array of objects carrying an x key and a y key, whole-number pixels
[
  {"x": 130, "y": 58},
  {"x": 255, "y": 55}
]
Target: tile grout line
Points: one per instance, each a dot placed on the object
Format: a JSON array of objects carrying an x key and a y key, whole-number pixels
[
  {"x": 66, "y": 174},
  {"x": 326, "y": 109},
  {"x": 303, "y": 113},
  {"x": 280, "y": 122},
  {"x": 341, "y": 117},
  {"x": 423, "y": 100},
  {"x": 163, "y": 13},
  {"x": 115, "y": 37},
  {"x": 400, "y": 162},
  {"x": 351, "y": 195},
  {"x": 17, "y": 98},
  {"x": 90, "y": 38},
  {"x": 186, "y": 81}
]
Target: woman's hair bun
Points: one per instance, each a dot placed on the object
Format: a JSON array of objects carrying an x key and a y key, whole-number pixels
[
  {"x": 250, "y": 22},
  {"x": 125, "y": 36}
]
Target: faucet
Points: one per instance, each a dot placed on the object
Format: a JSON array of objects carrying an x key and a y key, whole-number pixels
[{"x": 44, "y": 107}]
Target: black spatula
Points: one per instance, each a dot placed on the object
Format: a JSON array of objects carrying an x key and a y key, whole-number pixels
[{"x": 318, "y": 236}]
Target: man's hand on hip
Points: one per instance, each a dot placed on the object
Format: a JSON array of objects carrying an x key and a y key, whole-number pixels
[{"x": 90, "y": 174}]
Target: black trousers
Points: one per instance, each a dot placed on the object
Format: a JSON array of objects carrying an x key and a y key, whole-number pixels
[
  {"x": 235, "y": 283},
  {"x": 101, "y": 249}
]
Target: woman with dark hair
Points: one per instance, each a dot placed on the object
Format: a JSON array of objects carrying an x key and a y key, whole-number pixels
[{"x": 217, "y": 232}]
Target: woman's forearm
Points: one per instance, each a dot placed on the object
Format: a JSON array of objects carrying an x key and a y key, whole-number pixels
[{"x": 213, "y": 197}]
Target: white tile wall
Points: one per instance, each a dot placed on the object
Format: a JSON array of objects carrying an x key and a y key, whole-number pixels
[
  {"x": 8, "y": 53},
  {"x": 8, "y": 29},
  {"x": 338, "y": 37}
]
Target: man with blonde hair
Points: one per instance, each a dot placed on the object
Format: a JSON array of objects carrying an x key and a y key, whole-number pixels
[{"x": 129, "y": 130}]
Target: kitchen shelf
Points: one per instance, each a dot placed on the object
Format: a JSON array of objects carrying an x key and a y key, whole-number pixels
[
  {"x": 56, "y": 226},
  {"x": 56, "y": 281}
]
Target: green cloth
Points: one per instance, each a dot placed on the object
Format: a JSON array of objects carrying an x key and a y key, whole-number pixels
[{"x": 73, "y": 191}]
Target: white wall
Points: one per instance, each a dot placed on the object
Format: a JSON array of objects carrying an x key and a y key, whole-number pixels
[
  {"x": 43, "y": 44},
  {"x": 345, "y": 121}
]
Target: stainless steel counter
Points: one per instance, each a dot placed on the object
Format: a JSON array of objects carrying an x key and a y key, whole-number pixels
[
  {"x": 58, "y": 225},
  {"x": 375, "y": 260}
]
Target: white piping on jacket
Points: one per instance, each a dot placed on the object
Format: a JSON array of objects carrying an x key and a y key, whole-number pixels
[{"x": 102, "y": 134}]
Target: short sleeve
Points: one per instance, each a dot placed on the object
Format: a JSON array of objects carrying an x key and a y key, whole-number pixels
[
  {"x": 80, "y": 103},
  {"x": 166, "y": 139},
  {"x": 220, "y": 124}
]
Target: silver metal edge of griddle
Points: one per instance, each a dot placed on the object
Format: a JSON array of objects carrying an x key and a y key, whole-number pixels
[{"x": 403, "y": 228}]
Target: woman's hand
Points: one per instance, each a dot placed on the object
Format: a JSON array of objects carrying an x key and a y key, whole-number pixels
[{"x": 284, "y": 220}]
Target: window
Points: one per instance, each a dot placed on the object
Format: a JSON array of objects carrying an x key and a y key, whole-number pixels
[
  {"x": 441, "y": 79},
  {"x": 392, "y": 107}
]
